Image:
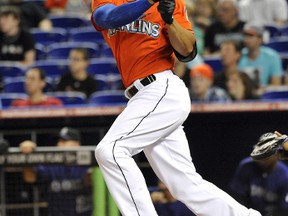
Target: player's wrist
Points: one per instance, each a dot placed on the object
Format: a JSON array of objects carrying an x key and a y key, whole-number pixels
[{"x": 170, "y": 21}]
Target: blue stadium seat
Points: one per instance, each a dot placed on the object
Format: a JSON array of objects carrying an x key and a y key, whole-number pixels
[
  {"x": 10, "y": 69},
  {"x": 102, "y": 66},
  {"x": 53, "y": 68},
  {"x": 61, "y": 50},
  {"x": 214, "y": 62},
  {"x": 67, "y": 21},
  {"x": 102, "y": 83},
  {"x": 273, "y": 30},
  {"x": 7, "y": 98},
  {"x": 284, "y": 31},
  {"x": 275, "y": 93},
  {"x": 87, "y": 34},
  {"x": 16, "y": 85},
  {"x": 70, "y": 98},
  {"x": 280, "y": 44},
  {"x": 40, "y": 51},
  {"x": 56, "y": 35},
  {"x": 108, "y": 98},
  {"x": 106, "y": 52},
  {"x": 108, "y": 82},
  {"x": 284, "y": 60}
]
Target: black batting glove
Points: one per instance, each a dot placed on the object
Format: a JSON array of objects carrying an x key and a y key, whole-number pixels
[{"x": 166, "y": 9}]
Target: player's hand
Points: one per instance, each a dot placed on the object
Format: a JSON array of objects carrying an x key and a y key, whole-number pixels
[
  {"x": 27, "y": 146},
  {"x": 166, "y": 9}
]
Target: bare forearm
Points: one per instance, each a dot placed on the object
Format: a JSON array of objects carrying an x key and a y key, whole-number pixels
[{"x": 181, "y": 39}]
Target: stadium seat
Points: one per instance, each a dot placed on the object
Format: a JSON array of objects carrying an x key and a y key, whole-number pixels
[
  {"x": 7, "y": 98},
  {"x": 53, "y": 68},
  {"x": 102, "y": 83},
  {"x": 280, "y": 44},
  {"x": 87, "y": 34},
  {"x": 106, "y": 52},
  {"x": 69, "y": 98},
  {"x": 16, "y": 85},
  {"x": 108, "y": 98},
  {"x": 275, "y": 93},
  {"x": 284, "y": 31},
  {"x": 108, "y": 82},
  {"x": 40, "y": 51},
  {"x": 67, "y": 21},
  {"x": 102, "y": 66},
  {"x": 284, "y": 60},
  {"x": 61, "y": 50},
  {"x": 214, "y": 62},
  {"x": 273, "y": 30},
  {"x": 10, "y": 69},
  {"x": 56, "y": 35}
]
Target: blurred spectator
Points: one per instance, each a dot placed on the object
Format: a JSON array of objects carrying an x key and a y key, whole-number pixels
[
  {"x": 240, "y": 87},
  {"x": 56, "y": 6},
  {"x": 201, "y": 86},
  {"x": 182, "y": 69},
  {"x": 262, "y": 64},
  {"x": 262, "y": 185},
  {"x": 205, "y": 12},
  {"x": 264, "y": 12},
  {"x": 198, "y": 30},
  {"x": 165, "y": 204},
  {"x": 78, "y": 79},
  {"x": 15, "y": 43},
  {"x": 227, "y": 27},
  {"x": 230, "y": 53},
  {"x": 82, "y": 7},
  {"x": 34, "y": 86},
  {"x": 69, "y": 191},
  {"x": 32, "y": 15},
  {"x": 60, "y": 7}
]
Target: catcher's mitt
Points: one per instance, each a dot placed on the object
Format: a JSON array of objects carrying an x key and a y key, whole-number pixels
[{"x": 269, "y": 144}]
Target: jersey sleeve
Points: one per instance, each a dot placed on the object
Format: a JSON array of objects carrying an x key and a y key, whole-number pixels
[
  {"x": 180, "y": 14},
  {"x": 94, "y": 5}
]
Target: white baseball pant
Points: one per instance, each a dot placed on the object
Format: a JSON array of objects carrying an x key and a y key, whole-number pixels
[{"x": 152, "y": 122}]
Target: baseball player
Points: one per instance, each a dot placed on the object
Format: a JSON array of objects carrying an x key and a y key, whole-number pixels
[
  {"x": 145, "y": 36},
  {"x": 262, "y": 184}
]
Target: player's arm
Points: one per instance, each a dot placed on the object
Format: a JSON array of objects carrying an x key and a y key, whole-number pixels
[
  {"x": 112, "y": 16},
  {"x": 29, "y": 173},
  {"x": 182, "y": 40}
]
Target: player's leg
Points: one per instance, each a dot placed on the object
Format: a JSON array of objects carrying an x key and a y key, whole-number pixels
[
  {"x": 172, "y": 162},
  {"x": 143, "y": 122}
]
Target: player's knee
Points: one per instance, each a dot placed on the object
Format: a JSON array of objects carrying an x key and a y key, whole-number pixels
[{"x": 103, "y": 154}]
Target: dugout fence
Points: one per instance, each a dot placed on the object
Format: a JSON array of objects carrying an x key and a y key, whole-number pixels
[{"x": 18, "y": 197}]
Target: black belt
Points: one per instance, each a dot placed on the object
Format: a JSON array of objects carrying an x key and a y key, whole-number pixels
[{"x": 145, "y": 81}]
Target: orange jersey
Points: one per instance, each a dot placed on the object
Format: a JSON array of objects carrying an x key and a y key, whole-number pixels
[{"x": 142, "y": 47}]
